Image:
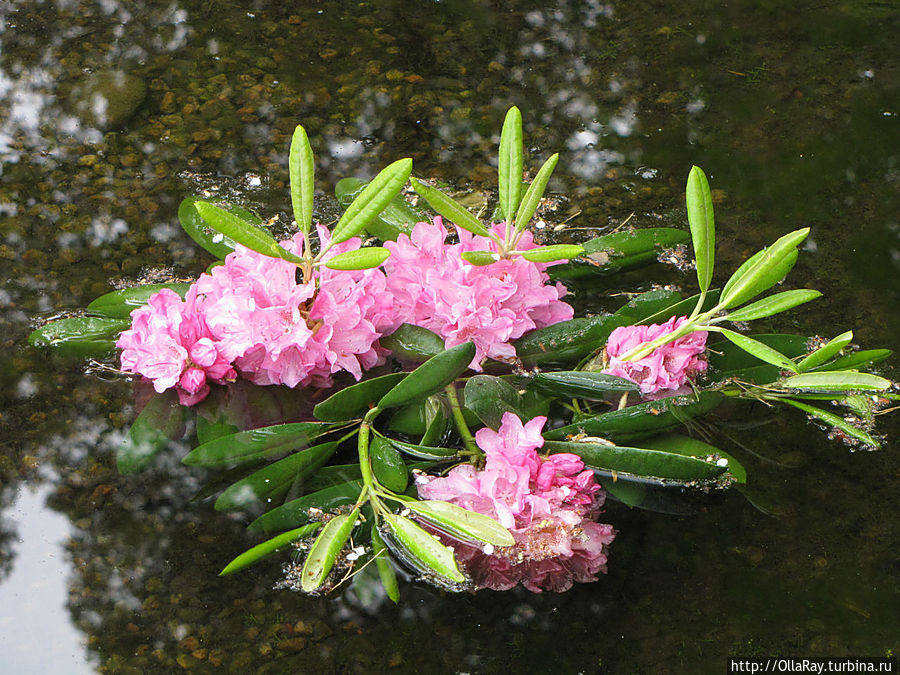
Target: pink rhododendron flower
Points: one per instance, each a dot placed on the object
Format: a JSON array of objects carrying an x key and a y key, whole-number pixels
[
  {"x": 170, "y": 344},
  {"x": 490, "y": 305},
  {"x": 666, "y": 368},
  {"x": 547, "y": 503}
]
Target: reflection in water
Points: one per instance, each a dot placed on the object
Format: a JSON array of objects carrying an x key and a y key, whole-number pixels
[{"x": 37, "y": 636}]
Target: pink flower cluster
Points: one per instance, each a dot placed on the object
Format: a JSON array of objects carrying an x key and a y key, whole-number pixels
[
  {"x": 251, "y": 316},
  {"x": 489, "y": 305},
  {"x": 547, "y": 503},
  {"x": 667, "y": 367}
]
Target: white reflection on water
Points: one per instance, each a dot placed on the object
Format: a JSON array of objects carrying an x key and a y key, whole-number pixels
[{"x": 37, "y": 636}]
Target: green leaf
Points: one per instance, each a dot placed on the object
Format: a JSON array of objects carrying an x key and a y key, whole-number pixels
[
  {"x": 548, "y": 254},
  {"x": 243, "y": 232},
  {"x": 760, "y": 350},
  {"x": 490, "y": 397},
  {"x": 825, "y": 352},
  {"x": 727, "y": 360},
  {"x": 684, "y": 445},
  {"x": 461, "y": 523},
  {"x": 567, "y": 341},
  {"x": 413, "y": 343},
  {"x": 763, "y": 270},
  {"x": 647, "y": 304},
  {"x": 773, "y": 305},
  {"x": 437, "y": 420},
  {"x": 703, "y": 229},
  {"x": 432, "y": 376},
  {"x": 397, "y": 218},
  {"x": 619, "y": 251},
  {"x": 268, "y": 547},
  {"x": 120, "y": 304},
  {"x": 682, "y": 308},
  {"x": 372, "y": 200},
  {"x": 449, "y": 208},
  {"x": 80, "y": 336},
  {"x": 835, "y": 421},
  {"x": 421, "y": 549},
  {"x": 480, "y": 258},
  {"x": 385, "y": 570},
  {"x": 836, "y": 381},
  {"x": 644, "y": 462},
  {"x": 302, "y": 167},
  {"x": 354, "y": 402},
  {"x": 509, "y": 164},
  {"x": 197, "y": 229},
  {"x": 641, "y": 420},
  {"x": 533, "y": 194},
  {"x": 865, "y": 357},
  {"x": 581, "y": 384},
  {"x": 424, "y": 451},
  {"x": 630, "y": 493},
  {"x": 325, "y": 550},
  {"x": 387, "y": 464},
  {"x": 274, "y": 480},
  {"x": 246, "y": 447},
  {"x": 297, "y": 511},
  {"x": 360, "y": 259},
  {"x": 157, "y": 424}
]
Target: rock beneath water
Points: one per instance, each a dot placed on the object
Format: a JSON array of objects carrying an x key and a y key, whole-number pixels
[{"x": 107, "y": 99}]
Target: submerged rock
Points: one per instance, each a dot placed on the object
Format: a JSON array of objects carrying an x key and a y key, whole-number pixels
[{"x": 107, "y": 99}]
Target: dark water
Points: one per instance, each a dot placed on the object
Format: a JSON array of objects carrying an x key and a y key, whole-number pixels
[{"x": 794, "y": 113}]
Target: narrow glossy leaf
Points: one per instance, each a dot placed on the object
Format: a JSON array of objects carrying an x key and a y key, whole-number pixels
[
  {"x": 331, "y": 475},
  {"x": 424, "y": 451},
  {"x": 836, "y": 381},
  {"x": 825, "y": 352},
  {"x": 372, "y": 200},
  {"x": 413, "y": 343},
  {"x": 836, "y": 422},
  {"x": 360, "y": 259},
  {"x": 620, "y": 251},
  {"x": 197, "y": 229},
  {"x": 437, "y": 419},
  {"x": 641, "y": 420},
  {"x": 209, "y": 429},
  {"x": 432, "y": 376},
  {"x": 553, "y": 253},
  {"x": 682, "y": 308},
  {"x": 490, "y": 397},
  {"x": 449, "y": 208},
  {"x": 647, "y": 304},
  {"x": 325, "y": 550},
  {"x": 703, "y": 229},
  {"x": 760, "y": 350},
  {"x": 684, "y": 445},
  {"x": 354, "y": 402},
  {"x": 397, "y": 218},
  {"x": 120, "y": 304},
  {"x": 387, "y": 464},
  {"x": 566, "y": 341},
  {"x": 268, "y": 547},
  {"x": 532, "y": 198},
  {"x": 581, "y": 384},
  {"x": 80, "y": 336},
  {"x": 156, "y": 425},
  {"x": 629, "y": 492},
  {"x": 239, "y": 230},
  {"x": 480, "y": 258},
  {"x": 385, "y": 569},
  {"x": 865, "y": 357},
  {"x": 302, "y": 168},
  {"x": 461, "y": 523},
  {"x": 773, "y": 304},
  {"x": 643, "y": 462},
  {"x": 246, "y": 447},
  {"x": 297, "y": 511},
  {"x": 274, "y": 480},
  {"x": 763, "y": 270},
  {"x": 509, "y": 164},
  {"x": 423, "y": 547}
]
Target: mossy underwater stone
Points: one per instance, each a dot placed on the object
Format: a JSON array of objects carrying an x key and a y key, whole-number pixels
[{"x": 107, "y": 99}]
